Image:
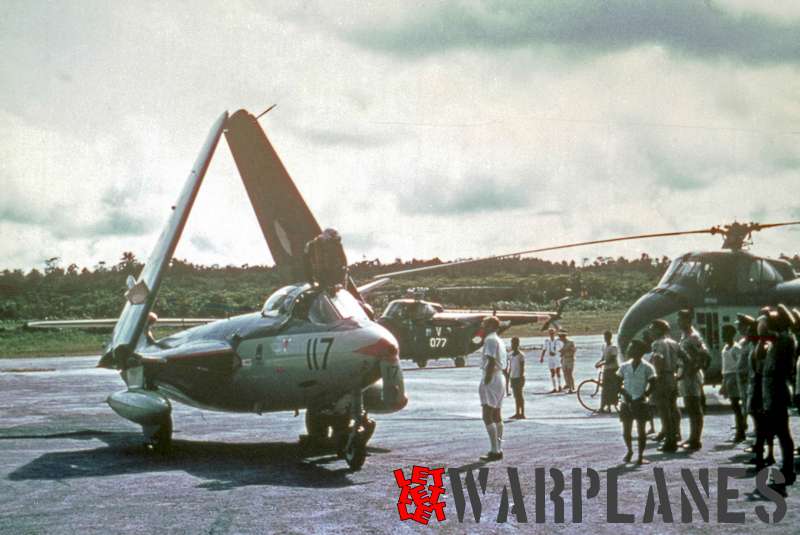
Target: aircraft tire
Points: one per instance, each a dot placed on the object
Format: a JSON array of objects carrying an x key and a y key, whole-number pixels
[
  {"x": 422, "y": 363},
  {"x": 161, "y": 441},
  {"x": 355, "y": 452},
  {"x": 460, "y": 362}
]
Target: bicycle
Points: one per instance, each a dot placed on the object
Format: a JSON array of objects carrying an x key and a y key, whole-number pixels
[{"x": 590, "y": 393}]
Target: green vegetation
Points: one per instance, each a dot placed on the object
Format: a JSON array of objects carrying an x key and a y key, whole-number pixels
[{"x": 602, "y": 290}]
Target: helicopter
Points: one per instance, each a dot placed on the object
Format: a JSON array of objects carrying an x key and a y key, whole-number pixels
[
  {"x": 312, "y": 346},
  {"x": 714, "y": 285},
  {"x": 426, "y": 330}
]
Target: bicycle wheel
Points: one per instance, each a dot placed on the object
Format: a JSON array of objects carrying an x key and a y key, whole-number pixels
[{"x": 589, "y": 395}]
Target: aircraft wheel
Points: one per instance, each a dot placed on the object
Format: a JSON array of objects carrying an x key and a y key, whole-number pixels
[
  {"x": 355, "y": 452},
  {"x": 422, "y": 363},
  {"x": 160, "y": 441},
  {"x": 460, "y": 362}
]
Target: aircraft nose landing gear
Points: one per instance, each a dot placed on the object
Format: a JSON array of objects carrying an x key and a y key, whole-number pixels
[{"x": 355, "y": 449}]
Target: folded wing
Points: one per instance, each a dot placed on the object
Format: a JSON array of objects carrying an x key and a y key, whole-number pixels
[
  {"x": 127, "y": 337},
  {"x": 283, "y": 215}
]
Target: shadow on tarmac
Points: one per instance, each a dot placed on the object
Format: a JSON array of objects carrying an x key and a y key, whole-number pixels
[{"x": 221, "y": 465}]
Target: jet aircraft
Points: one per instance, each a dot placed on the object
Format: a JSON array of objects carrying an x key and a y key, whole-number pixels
[{"x": 309, "y": 347}]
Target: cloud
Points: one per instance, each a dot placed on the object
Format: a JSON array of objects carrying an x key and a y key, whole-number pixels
[
  {"x": 695, "y": 29},
  {"x": 204, "y": 243},
  {"x": 472, "y": 194}
]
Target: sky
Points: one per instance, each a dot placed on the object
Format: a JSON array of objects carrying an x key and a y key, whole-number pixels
[{"x": 417, "y": 129}]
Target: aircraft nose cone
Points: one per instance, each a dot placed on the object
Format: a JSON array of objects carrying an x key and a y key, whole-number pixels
[
  {"x": 384, "y": 348},
  {"x": 647, "y": 308}
]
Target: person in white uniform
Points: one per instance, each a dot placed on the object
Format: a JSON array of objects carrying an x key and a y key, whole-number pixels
[
  {"x": 492, "y": 389},
  {"x": 552, "y": 349},
  {"x": 637, "y": 380}
]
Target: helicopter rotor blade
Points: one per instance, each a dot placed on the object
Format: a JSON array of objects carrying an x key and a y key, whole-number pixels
[
  {"x": 544, "y": 249},
  {"x": 758, "y": 226}
]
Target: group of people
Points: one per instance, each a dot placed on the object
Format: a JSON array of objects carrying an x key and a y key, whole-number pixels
[
  {"x": 759, "y": 360},
  {"x": 760, "y": 376}
]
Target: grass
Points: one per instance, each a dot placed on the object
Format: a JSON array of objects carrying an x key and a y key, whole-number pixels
[
  {"x": 16, "y": 342},
  {"x": 576, "y": 323}
]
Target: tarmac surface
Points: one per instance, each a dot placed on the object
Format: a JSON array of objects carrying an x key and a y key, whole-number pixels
[{"x": 68, "y": 464}]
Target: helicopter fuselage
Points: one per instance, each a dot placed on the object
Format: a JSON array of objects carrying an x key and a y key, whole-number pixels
[{"x": 716, "y": 286}]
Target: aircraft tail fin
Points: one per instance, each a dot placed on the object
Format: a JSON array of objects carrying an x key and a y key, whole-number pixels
[
  {"x": 141, "y": 293},
  {"x": 283, "y": 215}
]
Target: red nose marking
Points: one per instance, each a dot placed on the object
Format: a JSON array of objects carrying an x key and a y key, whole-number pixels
[{"x": 383, "y": 349}]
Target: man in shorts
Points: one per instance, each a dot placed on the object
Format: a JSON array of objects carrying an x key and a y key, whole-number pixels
[
  {"x": 492, "y": 388},
  {"x": 516, "y": 369},
  {"x": 637, "y": 380},
  {"x": 552, "y": 348},
  {"x": 567, "y": 360}
]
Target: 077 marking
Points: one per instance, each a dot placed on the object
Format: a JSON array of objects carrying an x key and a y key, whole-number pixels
[
  {"x": 437, "y": 342},
  {"x": 311, "y": 353}
]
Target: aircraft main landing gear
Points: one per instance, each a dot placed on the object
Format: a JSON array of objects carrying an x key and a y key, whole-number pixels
[
  {"x": 322, "y": 427},
  {"x": 158, "y": 438},
  {"x": 422, "y": 363},
  {"x": 460, "y": 362}
]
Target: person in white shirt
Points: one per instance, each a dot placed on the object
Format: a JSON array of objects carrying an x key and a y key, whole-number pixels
[
  {"x": 517, "y": 374},
  {"x": 731, "y": 354},
  {"x": 637, "y": 380},
  {"x": 609, "y": 396},
  {"x": 552, "y": 348},
  {"x": 492, "y": 388}
]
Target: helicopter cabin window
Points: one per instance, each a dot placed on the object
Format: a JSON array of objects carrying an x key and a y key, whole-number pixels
[
  {"x": 717, "y": 276},
  {"x": 673, "y": 267},
  {"x": 755, "y": 273},
  {"x": 394, "y": 310},
  {"x": 420, "y": 310}
]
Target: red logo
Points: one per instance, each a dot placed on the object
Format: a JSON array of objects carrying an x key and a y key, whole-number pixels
[{"x": 417, "y": 492}]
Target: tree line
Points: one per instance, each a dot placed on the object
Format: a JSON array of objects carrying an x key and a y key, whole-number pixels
[{"x": 194, "y": 290}]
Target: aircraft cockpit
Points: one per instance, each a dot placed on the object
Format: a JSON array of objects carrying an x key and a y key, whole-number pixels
[
  {"x": 310, "y": 303},
  {"x": 411, "y": 310},
  {"x": 720, "y": 273}
]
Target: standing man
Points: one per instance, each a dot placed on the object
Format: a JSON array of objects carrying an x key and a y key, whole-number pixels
[
  {"x": 567, "y": 360},
  {"x": 755, "y": 403},
  {"x": 776, "y": 391},
  {"x": 517, "y": 374},
  {"x": 666, "y": 352},
  {"x": 637, "y": 380},
  {"x": 731, "y": 355},
  {"x": 552, "y": 348},
  {"x": 690, "y": 378},
  {"x": 649, "y": 357},
  {"x": 492, "y": 388},
  {"x": 744, "y": 324},
  {"x": 610, "y": 364}
]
